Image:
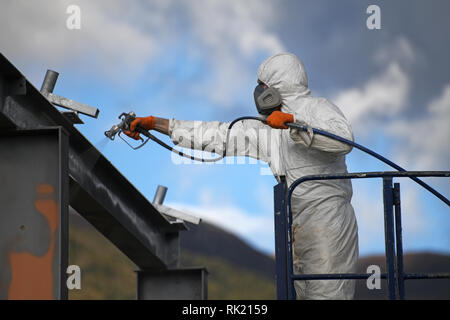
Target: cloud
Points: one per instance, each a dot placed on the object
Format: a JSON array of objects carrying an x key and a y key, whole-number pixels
[
  {"x": 400, "y": 50},
  {"x": 235, "y": 25},
  {"x": 256, "y": 229},
  {"x": 422, "y": 143},
  {"x": 382, "y": 96},
  {"x": 106, "y": 43},
  {"x": 232, "y": 33},
  {"x": 415, "y": 141},
  {"x": 121, "y": 40},
  {"x": 441, "y": 105}
]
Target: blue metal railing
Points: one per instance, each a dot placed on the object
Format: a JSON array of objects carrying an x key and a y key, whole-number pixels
[{"x": 392, "y": 226}]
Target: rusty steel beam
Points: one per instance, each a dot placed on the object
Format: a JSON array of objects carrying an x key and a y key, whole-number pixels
[{"x": 33, "y": 214}]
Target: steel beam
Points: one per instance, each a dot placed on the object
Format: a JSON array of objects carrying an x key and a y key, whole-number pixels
[
  {"x": 103, "y": 196},
  {"x": 33, "y": 214},
  {"x": 177, "y": 284}
]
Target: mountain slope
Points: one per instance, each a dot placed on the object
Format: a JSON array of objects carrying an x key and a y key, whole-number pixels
[
  {"x": 106, "y": 273},
  {"x": 228, "y": 281},
  {"x": 418, "y": 262},
  {"x": 211, "y": 240},
  {"x": 236, "y": 270}
]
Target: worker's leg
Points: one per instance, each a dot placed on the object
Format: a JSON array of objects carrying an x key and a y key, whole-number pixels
[{"x": 325, "y": 241}]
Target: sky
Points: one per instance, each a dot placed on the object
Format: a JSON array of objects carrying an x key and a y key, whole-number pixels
[{"x": 197, "y": 60}]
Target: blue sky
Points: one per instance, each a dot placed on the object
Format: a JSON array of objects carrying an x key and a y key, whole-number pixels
[{"x": 197, "y": 60}]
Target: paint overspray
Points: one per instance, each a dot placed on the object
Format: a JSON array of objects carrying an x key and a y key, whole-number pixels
[{"x": 91, "y": 156}]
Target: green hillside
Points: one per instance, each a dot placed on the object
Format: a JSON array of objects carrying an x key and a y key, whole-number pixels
[
  {"x": 108, "y": 274},
  {"x": 233, "y": 274},
  {"x": 227, "y": 281}
]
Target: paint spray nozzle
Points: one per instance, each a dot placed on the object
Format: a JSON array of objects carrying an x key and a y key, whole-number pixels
[{"x": 126, "y": 119}]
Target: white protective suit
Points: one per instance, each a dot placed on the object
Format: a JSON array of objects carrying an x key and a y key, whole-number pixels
[{"x": 324, "y": 224}]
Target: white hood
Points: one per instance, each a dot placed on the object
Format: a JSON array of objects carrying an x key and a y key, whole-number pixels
[{"x": 286, "y": 73}]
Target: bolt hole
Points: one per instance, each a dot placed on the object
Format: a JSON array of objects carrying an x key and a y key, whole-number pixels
[{"x": 22, "y": 227}]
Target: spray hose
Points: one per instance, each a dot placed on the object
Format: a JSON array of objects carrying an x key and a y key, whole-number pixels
[
  {"x": 315, "y": 131},
  {"x": 298, "y": 127},
  {"x": 373, "y": 154}
]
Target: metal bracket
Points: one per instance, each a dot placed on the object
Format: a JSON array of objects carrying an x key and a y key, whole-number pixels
[
  {"x": 47, "y": 90},
  {"x": 170, "y": 212}
]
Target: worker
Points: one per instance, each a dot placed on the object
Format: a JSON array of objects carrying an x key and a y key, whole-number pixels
[{"x": 325, "y": 238}]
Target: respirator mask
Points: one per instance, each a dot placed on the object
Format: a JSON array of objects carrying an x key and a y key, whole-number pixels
[{"x": 267, "y": 99}]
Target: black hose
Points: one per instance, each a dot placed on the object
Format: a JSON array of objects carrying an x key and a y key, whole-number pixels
[
  {"x": 373, "y": 154},
  {"x": 303, "y": 128}
]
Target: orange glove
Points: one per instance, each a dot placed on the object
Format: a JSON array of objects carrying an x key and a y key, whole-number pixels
[
  {"x": 278, "y": 119},
  {"x": 147, "y": 123}
]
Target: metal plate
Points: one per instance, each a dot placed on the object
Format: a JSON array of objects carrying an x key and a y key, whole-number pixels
[{"x": 33, "y": 214}]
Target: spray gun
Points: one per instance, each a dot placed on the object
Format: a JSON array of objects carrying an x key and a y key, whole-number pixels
[
  {"x": 117, "y": 129},
  {"x": 127, "y": 118}
]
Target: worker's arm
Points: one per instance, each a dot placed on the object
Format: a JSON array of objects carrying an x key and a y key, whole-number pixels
[
  {"x": 246, "y": 138},
  {"x": 162, "y": 125}
]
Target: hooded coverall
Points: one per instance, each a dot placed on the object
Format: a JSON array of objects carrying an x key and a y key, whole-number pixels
[{"x": 324, "y": 231}]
